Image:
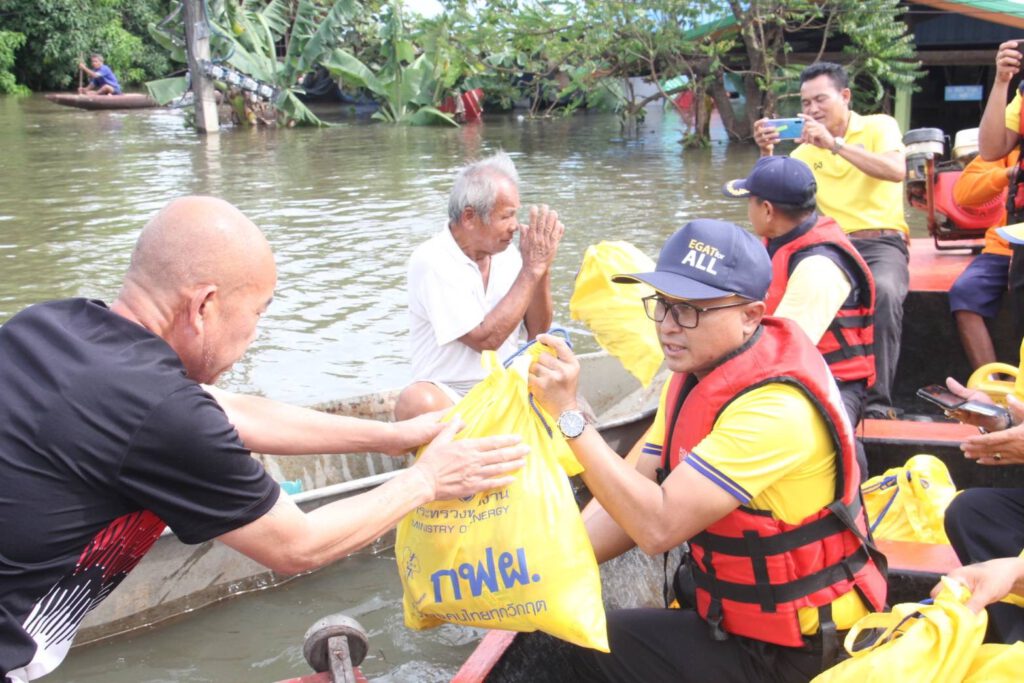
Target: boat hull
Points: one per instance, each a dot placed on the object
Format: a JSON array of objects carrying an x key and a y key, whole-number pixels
[{"x": 103, "y": 102}]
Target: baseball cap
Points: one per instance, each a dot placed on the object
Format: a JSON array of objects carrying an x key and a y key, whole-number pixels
[
  {"x": 709, "y": 258},
  {"x": 1014, "y": 234},
  {"x": 777, "y": 179}
]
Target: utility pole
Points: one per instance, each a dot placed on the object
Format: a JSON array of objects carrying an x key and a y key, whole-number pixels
[{"x": 197, "y": 44}]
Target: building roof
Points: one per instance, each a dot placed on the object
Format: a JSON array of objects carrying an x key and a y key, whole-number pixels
[{"x": 1006, "y": 12}]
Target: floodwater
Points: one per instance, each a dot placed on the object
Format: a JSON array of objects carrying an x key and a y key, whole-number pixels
[{"x": 343, "y": 208}]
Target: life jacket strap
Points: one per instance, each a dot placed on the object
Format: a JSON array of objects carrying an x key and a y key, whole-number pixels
[
  {"x": 784, "y": 542},
  {"x": 790, "y": 591}
]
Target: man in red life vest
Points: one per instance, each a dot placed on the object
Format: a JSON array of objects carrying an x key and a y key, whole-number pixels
[
  {"x": 819, "y": 279},
  {"x": 777, "y": 541}
]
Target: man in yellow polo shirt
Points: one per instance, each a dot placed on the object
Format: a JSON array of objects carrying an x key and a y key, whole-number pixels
[
  {"x": 859, "y": 165},
  {"x": 777, "y": 549}
]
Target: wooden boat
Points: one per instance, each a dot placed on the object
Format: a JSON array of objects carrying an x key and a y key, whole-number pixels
[
  {"x": 174, "y": 579},
  {"x": 98, "y": 102},
  {"x": 930, "y": 352}
]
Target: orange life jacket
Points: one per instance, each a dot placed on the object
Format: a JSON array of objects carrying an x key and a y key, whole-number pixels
[
  {"x": 752, "y": 571},
  {"x": 848, "y": 343}
]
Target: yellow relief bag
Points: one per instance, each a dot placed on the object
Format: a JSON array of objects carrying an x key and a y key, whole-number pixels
[
  {"x": 614, "y": 312},
  {"x": 915, "y": 642},
  {"x": 997, "y": 663},
  {"x": 909, "y": 503},
  {"x": 517, "y": 558}
]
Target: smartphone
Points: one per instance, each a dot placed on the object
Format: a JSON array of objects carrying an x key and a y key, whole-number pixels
[
  {"x": 941, "y": 396},
  {"x": 788, "y": 129},
  {"x": 947, "y": 400}
]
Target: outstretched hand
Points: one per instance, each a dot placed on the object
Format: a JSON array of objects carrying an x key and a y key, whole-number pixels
[
  {"x": 414, "y": 432},
  {"x": 988, "y": 582},
  {"x": 456, "y": 469},
  {"x": 987, "y": 423},
  {"x": 1004, "y": 447},
  {"x": 538, "y": 241},
  {"x": 553, "y": 378}
]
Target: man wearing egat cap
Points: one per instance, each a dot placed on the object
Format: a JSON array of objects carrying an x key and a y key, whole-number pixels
[
  {"x": 720, "y": 464},
  {"x": 819, "y": 280}
]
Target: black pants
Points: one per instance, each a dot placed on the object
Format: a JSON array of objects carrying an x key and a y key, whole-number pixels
[
  {"x": 854, "y": 394},
  {"x": 674, "y": 645},
  {"x": 985, "y": 524},
  {"x": 888, "y": 258}
]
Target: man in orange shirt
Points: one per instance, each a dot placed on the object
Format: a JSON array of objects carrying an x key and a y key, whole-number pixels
[{"x": 978, "y": 291}]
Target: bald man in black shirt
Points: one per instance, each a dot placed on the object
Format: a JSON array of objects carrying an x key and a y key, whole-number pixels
[{"x": 107, "y": 435}]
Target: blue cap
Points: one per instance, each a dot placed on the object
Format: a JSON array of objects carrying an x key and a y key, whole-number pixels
[
  {"x": 706, "y": 259},
  {"x": 777, "y": 179}
]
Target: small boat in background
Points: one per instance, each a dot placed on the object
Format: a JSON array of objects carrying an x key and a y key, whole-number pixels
[{"x": 101, "y": 102}]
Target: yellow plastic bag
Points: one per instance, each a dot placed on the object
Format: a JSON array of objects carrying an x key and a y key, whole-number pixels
[
  {"x": 909, "y": 503},
  {"x": 614, "y": 312},
  {"x": 517, "y": 558},
  {"x": 984, "y": 378},
  {"x": 997, "y": 663},
  {"x": 918, "y": 642}
]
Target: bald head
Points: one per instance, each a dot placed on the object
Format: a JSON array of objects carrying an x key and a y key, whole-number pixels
[
  {"x": 197, "y": 240},
  {"x": 200, "y": 276}
]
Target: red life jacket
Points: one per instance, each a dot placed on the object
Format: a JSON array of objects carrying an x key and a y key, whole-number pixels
[
  {"x": 752, "y": 571},
  {"x": 848, "y": 343}
]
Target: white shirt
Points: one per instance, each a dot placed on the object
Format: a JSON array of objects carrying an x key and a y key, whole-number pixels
[{"x": 447, "y": 300}]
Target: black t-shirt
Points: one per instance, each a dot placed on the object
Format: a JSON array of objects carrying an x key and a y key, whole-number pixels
[{"x": 103, "y": 439}]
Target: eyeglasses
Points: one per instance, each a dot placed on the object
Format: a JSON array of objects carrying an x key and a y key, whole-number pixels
[{"x": 685, "y": 315}]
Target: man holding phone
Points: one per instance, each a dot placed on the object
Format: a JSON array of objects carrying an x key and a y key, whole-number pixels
[{"x": 859, "y": 165}]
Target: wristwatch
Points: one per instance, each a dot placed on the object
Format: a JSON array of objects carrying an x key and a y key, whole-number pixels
[
  {"x": 572, "y": 423},
  {"x": 838, "y": 144}
]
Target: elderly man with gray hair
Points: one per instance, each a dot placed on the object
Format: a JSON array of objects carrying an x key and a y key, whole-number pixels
[{"x": 471, "y": 290}]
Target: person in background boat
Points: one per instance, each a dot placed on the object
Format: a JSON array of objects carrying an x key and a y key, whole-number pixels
[
  {"x": 102, "y": 80},
  {"x": 819, "y": 280},
  {"x": 978, "y": 292},
  {"x": 107, "y": 436},
  {"x": 471, "y": 290},
  {"x": 986, "y": 525},
  {"x": 858, "y": 162},
  {"x": 720, "y": 464}
]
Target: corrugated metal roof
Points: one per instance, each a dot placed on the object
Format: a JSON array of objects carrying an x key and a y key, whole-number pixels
[{"x": 1006, "y": 12}]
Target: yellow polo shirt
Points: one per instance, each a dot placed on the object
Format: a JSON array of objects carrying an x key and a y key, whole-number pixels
[
  {"x": 1013, "y": 113},
  {"x": 845, "y": 193},
  {"x": 751, "y": 453}
]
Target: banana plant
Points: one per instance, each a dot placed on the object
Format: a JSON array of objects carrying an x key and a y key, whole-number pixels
[
  {"x": 247, "y": 35},
  {"x": 406, "y": 86}
]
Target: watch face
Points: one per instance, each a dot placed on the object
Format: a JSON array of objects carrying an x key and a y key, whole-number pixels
[{"x": 571, "y": 423}]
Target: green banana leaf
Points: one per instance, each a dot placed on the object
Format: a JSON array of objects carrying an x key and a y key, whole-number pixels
[{"x": 167, "y": 89}]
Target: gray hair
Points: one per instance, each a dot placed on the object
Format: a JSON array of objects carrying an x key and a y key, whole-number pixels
[{"x": 476, "y": 185}]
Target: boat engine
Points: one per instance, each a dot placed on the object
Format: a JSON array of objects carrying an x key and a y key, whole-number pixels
[{"x": 929, "y": 188}]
